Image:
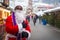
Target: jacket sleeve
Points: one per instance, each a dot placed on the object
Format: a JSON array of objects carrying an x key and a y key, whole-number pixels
[
  {"x": 27, "y": 29},
  {"x": 9, "y": 26},
  {"x": 28, "y": 26}
]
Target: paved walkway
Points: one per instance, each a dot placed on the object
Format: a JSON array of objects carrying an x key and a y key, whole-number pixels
[{"x": 41, "y": 32}]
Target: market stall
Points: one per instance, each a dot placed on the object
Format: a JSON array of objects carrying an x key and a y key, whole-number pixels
[{"x": 4, "y": 13}]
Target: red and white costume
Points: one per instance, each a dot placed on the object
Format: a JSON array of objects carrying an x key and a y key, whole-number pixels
[{"x": 12, "y": 30}]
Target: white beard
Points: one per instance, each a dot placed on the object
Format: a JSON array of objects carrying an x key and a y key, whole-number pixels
[{"x": 20, "y": 17}]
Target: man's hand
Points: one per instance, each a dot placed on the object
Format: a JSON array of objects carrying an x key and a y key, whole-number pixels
[{"x": 24, "y": 34}]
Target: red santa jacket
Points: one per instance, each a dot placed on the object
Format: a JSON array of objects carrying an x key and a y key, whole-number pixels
[{"x": 13, "y": 29}]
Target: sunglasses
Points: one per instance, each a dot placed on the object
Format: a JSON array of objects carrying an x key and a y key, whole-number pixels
[{"x": 18, "y": 8}]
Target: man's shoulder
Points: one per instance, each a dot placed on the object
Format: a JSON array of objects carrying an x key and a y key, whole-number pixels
[
  {"x": 9, "y": 17},
  {"x": 26, "y": 21}
]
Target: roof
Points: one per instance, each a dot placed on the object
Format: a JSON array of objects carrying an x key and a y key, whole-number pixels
[
  {"x": 43, "y": 5},
  {"x": 51, "y": 10}
]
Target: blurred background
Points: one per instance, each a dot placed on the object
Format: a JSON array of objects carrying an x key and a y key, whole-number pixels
[{"x": 46, "y": 10}]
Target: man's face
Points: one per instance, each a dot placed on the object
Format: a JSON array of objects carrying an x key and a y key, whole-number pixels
[
  {"x": 18, "y": 11},
  {"x": 19, "y": 15}
]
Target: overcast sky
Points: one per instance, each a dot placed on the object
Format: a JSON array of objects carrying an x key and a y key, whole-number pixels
[{"x": 13, "y": 3}]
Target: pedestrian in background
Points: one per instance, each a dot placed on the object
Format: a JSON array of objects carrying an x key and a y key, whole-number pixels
[
  {"x": 44, "y": 21},
  {"x": 35, "y": 17},
  {"x": 40, "y": 19},
  {"x": 28, "y": 18}
]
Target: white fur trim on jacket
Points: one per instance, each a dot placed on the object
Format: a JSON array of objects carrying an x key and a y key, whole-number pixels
[
  {"x": 27, "y": 32},
  {"x": 9, "y": 36},
  {"x": 20, "y": 28}
]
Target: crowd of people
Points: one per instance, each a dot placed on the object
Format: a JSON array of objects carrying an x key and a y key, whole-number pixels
[{"x": 36, "y": 18}]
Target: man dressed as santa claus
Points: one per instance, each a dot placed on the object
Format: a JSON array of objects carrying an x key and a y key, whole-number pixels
[{"x": 17, "y": 27}]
